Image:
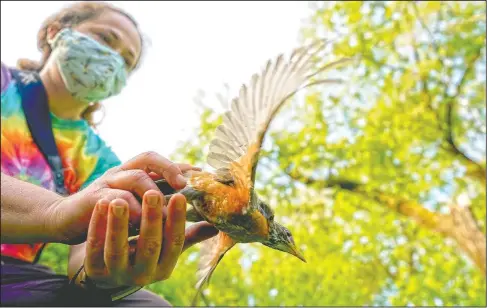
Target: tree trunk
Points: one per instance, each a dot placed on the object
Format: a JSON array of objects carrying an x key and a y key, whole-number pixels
[{"x": 458, "y": 225}]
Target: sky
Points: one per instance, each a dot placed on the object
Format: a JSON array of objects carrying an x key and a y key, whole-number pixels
[{"x": 193, "y": 45}]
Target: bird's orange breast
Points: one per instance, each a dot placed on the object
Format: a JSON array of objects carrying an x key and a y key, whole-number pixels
[
  {"x": 229, "y": 204},
  {"x": 220, "y": 200}
]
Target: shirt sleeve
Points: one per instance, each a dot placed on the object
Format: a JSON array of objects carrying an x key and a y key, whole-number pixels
[
  {"x": 107, "y": 159},
  {"x": 5, "y": 77}
]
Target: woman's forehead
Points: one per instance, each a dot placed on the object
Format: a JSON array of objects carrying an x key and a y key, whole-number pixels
[{"x": 119, "y": 23}]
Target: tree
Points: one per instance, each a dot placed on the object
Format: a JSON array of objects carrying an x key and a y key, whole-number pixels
[
  {"x": 427, "y": 63},
  {"x": 381, "y": 181},
  {"x": 384, "y": 179}
]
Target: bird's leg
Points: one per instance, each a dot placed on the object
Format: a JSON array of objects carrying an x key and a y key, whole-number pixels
[
  {"x": 164, "y": 187},
  {"x": 191, "y": 195},
  {"x": 193, "y": 215}
]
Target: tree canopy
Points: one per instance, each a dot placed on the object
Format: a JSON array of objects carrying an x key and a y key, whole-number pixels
[{"x": 382, "y": 180}]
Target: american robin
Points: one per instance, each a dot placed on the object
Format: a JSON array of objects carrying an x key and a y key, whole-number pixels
[{"x": 226, "y": 198}]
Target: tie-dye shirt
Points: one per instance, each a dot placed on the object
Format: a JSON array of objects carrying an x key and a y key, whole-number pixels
[{"x": 84, "y": 155}]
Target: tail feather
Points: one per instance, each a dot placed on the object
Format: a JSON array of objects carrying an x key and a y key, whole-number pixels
[
  {"x": 164, "y": 186},
  {"x": 212, "y": 252}
]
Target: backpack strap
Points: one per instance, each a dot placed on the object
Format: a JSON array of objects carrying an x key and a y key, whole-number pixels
[{"x": 36, "y": 110}]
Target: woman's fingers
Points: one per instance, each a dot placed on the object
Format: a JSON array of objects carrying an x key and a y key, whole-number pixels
[
  {"x": 150, "y": 238},
  {"x": 137, "y": 181},
  {"x": 174, "y": 230},
  {"x": 153, "y": 162},
  {"x": 95, "y": 242},
  {"x": 183, "y": 167},
  {"x": 199, "y": 232},
  {"x": 116, "y": 243},
  {"x": 110, "y": 194},
  {"x": 188, "y": 167},
  {"x": 154, "y": 176}
]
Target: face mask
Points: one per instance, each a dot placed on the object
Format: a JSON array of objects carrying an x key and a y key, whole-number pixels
[{"x": 90, "y": 70}]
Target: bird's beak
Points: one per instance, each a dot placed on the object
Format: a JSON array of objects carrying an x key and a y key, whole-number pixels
[{"x": 292, "y": 249}]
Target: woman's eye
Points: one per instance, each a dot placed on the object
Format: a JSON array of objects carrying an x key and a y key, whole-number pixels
[
  {"x": 105, "y": 38},
  {"x": 127, "y": 63}
]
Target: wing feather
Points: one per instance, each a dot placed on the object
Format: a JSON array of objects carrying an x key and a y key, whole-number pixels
[
  {"x": 236, "y": 145},
  {"x": 222, "y": 147},
  {"x": 211, "y": 253}
]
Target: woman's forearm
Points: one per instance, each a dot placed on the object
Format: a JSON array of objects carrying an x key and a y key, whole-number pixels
[{"x": 26, "y": 212}]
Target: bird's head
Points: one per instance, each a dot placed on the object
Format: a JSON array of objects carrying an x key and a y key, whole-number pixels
[{"x": 280, "y": 238}]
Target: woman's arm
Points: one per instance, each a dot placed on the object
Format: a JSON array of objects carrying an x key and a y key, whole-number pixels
[
  {"x": 32, "y": 214},
  {"x": 26, "y": 212}
]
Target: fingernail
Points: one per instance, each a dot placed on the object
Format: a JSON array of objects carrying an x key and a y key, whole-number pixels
[
  {"x": 153, "y": 200},
  {"x": 118, "y": 210},
  {"x": 181, "y": 204},
  {"x": 181, "y": 180}
]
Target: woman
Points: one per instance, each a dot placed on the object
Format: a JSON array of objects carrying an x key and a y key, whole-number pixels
[{"x": 88, "y": 50}]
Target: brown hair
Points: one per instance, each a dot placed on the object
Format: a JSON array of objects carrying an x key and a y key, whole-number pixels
[{"x": 68, "y": 17}]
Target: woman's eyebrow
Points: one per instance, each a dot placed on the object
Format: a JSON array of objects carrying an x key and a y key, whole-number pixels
[{"x": 130, "y": 52}]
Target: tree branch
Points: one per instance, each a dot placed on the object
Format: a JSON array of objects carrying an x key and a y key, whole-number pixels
[
  {"x": 475, "y": 169},
  {"x": 459, "y": 225},
  {"x": 423, "y": 24},
  {"x": 417, "y": 59},
  {"x": 466, "y": 232}
]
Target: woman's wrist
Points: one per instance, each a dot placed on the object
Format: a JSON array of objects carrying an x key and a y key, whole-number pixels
[
  {"x": 85, "y": 282},
  {"x": 116, "y": 292},
  {"x": 35, "y": 205},
  {"x": 68, "y": 218},
  {"x": 52, "y": 226},
  {"x": 82, "y": 280}
]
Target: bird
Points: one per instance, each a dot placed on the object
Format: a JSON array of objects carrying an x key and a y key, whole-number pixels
[{"x": 226, "y": 197}]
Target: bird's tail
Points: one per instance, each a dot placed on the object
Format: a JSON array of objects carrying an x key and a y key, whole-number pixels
[
  {"x": 166, "y": 189},
  {"x": 191, "y": 214},
  {"x": 211, "y": 254}
]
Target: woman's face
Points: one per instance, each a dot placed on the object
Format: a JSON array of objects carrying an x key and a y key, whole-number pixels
[
  {"x": 111, "y": 29},
  {"x": 117, "y": 32}
]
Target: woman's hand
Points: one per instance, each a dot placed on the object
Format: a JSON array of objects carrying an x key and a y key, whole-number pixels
[
  {"x": 69, "y": 217},
  {"x": 111, "y": 262}
]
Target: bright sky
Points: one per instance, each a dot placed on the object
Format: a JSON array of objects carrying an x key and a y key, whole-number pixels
[{"x": 194, "y": 45}]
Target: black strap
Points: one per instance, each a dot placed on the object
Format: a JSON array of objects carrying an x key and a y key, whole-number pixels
[{"x": 36, "y": 110}]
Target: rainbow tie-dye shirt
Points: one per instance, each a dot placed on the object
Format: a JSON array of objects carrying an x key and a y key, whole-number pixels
[{"x": 84, "y": 155}]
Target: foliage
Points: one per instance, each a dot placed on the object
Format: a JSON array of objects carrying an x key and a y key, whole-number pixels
[{"x": 369, "y": 176}]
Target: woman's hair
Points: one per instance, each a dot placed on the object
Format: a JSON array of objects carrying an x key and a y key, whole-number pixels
[{"x": 69, "y": 17}]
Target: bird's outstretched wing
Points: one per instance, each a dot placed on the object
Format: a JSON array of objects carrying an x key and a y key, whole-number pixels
[{"x": 235, "y": 148}]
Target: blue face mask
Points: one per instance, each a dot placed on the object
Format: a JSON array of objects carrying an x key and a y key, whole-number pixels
[{"x": 90, "y": 70}]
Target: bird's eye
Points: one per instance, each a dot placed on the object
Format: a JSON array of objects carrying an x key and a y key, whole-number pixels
[
  {"x": 271, "y": 218},
  {"x": 290, "y": 237}
]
